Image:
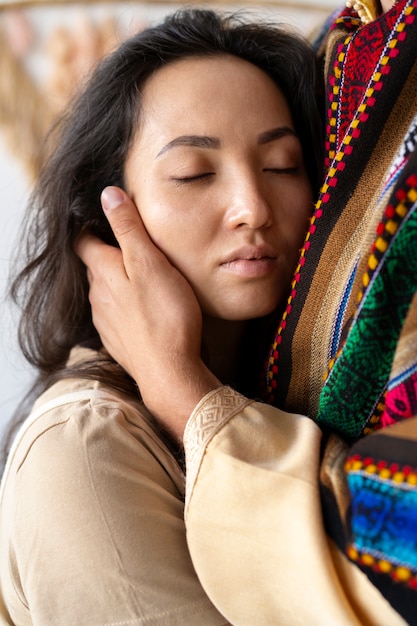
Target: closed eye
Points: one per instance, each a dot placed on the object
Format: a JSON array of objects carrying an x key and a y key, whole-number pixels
[{"x": 187, "y": 180}]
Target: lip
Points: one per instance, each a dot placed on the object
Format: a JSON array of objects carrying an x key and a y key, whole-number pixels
[{"x": 251, "y": 261}]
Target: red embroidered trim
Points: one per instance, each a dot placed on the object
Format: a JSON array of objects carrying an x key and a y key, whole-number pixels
[{"x": 338, "y": 163}]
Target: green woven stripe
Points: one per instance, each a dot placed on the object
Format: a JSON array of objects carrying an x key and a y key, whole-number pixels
[{"x": 360, "y": 375}]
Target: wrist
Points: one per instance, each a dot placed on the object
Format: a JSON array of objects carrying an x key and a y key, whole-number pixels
[{"x": 181, "y": 388}]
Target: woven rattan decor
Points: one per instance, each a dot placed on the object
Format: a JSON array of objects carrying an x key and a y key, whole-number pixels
[{"x": 47, "y": 48}]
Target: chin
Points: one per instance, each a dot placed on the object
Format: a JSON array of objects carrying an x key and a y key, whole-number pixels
[
  {"x": 243, "y": 306},
  {"x": 257, "y": 307}
]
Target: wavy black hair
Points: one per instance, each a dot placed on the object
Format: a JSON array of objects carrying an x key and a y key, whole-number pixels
[{"x": 91, "y": 143}]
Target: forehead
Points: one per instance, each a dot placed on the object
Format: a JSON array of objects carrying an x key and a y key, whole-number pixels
[
  {"x": 196, "y": 85},
  {"x": 200, "y": 70}
]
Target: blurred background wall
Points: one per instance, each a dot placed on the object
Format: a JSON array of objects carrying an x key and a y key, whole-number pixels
[{"x": 44, "y": 48}]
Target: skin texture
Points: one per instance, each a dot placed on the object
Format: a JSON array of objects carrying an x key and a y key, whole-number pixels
[
  {"x": 223, "y": 199},
  {"x": 211, "y": 175}
]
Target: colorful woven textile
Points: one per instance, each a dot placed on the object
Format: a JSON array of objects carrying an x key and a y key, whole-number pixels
[
  {"x": 358, "y": 377},
  {"x": 349, "y": 318},
  {"x": 382, "y": 537},
  {"x": 345, "y": 352}
]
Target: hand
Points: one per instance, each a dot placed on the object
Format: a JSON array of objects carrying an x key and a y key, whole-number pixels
[{"x": 147, "y": 315}]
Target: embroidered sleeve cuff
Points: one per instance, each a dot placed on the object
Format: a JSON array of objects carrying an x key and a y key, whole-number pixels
[{"x": 209, "y": 416}]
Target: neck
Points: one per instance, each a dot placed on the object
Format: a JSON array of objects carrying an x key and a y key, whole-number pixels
[{"x": 222, "y": 341}]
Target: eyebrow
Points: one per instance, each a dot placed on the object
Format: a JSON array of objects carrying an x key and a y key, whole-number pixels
[
  {"x": 203, "y": 141},
  {"x": 195, "y": 141}
]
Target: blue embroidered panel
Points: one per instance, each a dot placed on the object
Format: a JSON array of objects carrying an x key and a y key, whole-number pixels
[{"x": 384, "y": 518}]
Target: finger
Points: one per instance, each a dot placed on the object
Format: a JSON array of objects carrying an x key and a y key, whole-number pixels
[
  {"x": 96, "y": 255},
  {"x": 88, "y": 247},
  {"x": 123, "y": 216},
  {"x": 140, "y": 255}
]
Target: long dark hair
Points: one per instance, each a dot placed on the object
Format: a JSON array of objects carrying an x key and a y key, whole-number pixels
[{"x": 91, "y": 143}]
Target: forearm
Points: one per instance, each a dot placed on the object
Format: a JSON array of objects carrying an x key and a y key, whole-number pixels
[{"x": 254, "y": 521}]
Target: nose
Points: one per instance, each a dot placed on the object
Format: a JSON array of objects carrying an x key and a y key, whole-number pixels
[{"x": 248, "y": 205}]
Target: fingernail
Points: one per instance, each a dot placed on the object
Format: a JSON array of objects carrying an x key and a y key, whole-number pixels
[{"x": 111, "y": 197}]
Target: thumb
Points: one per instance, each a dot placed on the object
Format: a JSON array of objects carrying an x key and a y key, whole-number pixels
[
  {"x": 138, "y": 250},
  {"x": 123, "y": 216}
]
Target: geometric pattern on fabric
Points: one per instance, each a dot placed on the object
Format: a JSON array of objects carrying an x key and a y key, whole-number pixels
[
  {"x": 400, "y": 400},
  {"x": 407, "y": 148},
  {"x": 358, "y": 377},
  {"x": 381, "y": 472},
  {"x": 344, "y": 134},
  {"x": 390, "y": 536},
  {"x": 207, "y": 418},
  {"x": 356, "y": 59}
]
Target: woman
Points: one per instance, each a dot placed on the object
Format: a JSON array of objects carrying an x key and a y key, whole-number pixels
[
  {"x": 212, "y": 127},
  {"x": 289, "y": 523}
]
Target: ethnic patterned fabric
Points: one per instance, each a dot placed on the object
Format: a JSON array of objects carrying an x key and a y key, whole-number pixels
[
  {"x": 345, "y": 352},
  {"x": 382, "y": 478},
  {"x": 356, "y": 384},
  {"x": 335, "y": 326}
]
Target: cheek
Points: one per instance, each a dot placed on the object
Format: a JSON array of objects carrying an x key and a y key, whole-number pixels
[
  {"x": 172, "y": 230},
  {"x": 158, "y": 214},
  {"x": 178, "y": 222},
  {"x": 164, "y": 233}
]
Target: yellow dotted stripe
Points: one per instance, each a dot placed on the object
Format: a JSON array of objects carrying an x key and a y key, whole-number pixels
[
  {"x": 385, "y": 471},
  {"x": 399, "y": 573},
  {"x": 331, "y": 178}
]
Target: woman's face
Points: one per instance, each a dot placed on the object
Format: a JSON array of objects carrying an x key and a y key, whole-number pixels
[{"x": 217, "y": 173}]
